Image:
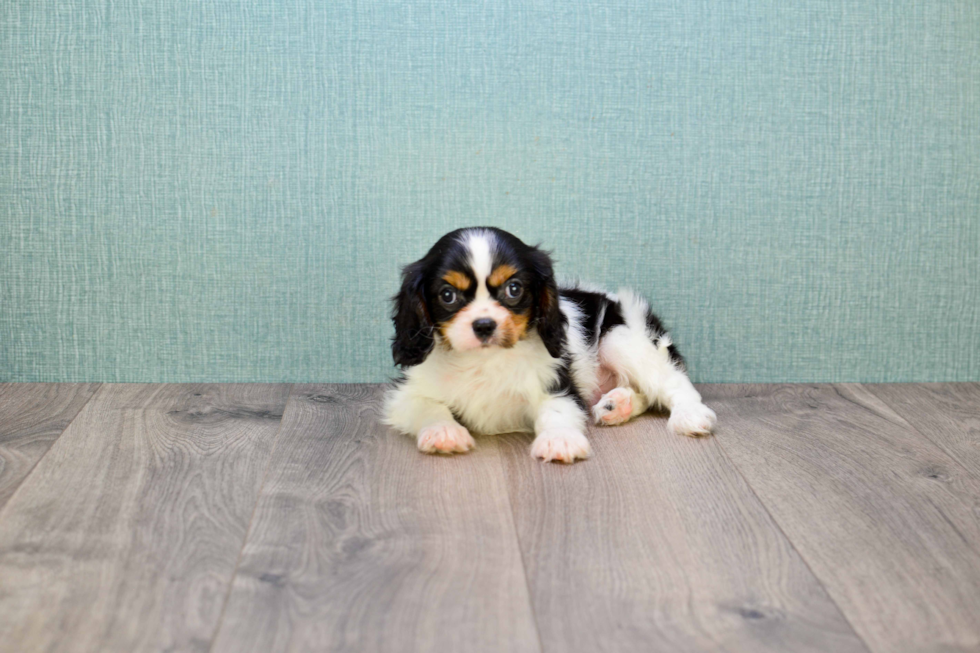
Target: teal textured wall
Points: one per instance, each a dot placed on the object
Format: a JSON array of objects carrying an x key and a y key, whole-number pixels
[{"x": 225, "y": 191}]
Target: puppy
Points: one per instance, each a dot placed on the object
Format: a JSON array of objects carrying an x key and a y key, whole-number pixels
[{"x": 489, "y": 343}]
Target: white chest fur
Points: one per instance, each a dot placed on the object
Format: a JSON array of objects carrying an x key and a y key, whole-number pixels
[{"x": 491, "y": 390}]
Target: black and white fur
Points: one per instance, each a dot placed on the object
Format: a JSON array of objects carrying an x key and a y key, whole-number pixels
[{"x": 579, "y": 353}]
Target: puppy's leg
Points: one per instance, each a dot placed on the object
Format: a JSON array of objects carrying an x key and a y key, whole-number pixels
[
  {"x": 560, "y": 431},
  {"x": 430, "y": 422},
  {"x": 650, "y": 368},
  {"x": 688, "y": 415}
]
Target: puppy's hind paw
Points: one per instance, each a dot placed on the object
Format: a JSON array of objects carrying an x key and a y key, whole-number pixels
[
  {"x": 693, "y": 420},
  {"x": 615, "y": 407},
  {"x": 445, "y": 437},
  {"x": 561, "y": 445}
]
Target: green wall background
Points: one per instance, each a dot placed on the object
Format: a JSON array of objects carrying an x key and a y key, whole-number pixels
[{"x": 222, "y": 191}]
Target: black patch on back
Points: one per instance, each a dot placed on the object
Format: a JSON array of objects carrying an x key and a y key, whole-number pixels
[
  {"x": 613, "y": 318},
  {"x": 593, "y": 305}
]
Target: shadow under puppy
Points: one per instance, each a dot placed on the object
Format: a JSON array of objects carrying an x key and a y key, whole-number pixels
[{"x": 488, "y": 342}]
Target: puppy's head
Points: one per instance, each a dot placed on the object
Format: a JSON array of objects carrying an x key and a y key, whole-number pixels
[{"x": 477, "y": 288}]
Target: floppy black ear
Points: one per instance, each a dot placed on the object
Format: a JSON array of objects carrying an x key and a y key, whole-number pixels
[
  {"x": 549, "y": 319},
  {"x": 413, "y": 327}
]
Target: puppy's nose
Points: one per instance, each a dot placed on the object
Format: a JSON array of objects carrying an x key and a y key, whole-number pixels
[{"x": 484, "y": 328}]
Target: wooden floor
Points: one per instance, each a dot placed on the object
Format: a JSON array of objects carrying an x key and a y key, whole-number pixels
[{"x": 284, "y": 518}]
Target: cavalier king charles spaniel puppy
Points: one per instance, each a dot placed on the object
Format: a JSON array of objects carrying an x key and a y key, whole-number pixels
[{"x": 489, "y": 343}]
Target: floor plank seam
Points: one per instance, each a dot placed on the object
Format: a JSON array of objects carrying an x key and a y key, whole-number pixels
[
  {"x": 928, "y": 439},
  {"x": 520, "y": 548},
  {"x": 27, "y": 476},
  {"x": 251, "y": 520},
  {"x": 792, "y": 544}
]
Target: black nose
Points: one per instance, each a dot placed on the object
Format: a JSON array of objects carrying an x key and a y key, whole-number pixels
[{"x": 484, "y": 328}]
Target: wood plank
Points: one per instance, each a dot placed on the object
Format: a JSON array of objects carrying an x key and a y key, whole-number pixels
[
  {"x": 126, "y": 535},
  {"x": 946, "y": 413},
  {"x": 887, "y": 521},
  {"x": 32, "y": 416},
  {"x": 657, "y": 544},
  {"x": 361, "y": 543}
]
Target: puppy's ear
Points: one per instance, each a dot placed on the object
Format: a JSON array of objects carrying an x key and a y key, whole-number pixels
[
  {"x": 413, "y": 327},
  {"x": 549, "y": 319}
]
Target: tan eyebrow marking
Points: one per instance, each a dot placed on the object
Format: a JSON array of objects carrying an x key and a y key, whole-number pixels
[
  {"x": 457, "y": 279},
  {"x": 501, "y": 274}
]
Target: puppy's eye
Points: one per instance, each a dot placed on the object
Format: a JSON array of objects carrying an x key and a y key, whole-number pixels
[
  {"x": 447, "y": 296},
  {"x": 514, "y": 289}
]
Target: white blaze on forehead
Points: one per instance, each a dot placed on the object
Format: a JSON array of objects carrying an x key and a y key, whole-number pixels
[{"x": 480, "y": 246}]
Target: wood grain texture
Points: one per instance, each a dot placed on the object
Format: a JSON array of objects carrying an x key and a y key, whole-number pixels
[
  {"x": 361, "y": 543},
  {"x": 948, "y": 414},
  {"x": 32, "y": 416},
  {"x": 888, "y": 522},
  {"x": 125, "y": 537},
  {"x": 657, "y": 544}
]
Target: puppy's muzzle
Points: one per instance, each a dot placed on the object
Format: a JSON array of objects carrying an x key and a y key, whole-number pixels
[{"x": 484, "y": 328}]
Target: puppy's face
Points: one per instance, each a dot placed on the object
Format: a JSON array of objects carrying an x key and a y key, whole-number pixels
[
  {"x": 477, "y": 289},
  {"x": 483, "y": 295}
]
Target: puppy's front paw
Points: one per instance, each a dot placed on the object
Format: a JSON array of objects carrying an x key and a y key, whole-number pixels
[
  {"x": 561, "y": 445},
  {"x": 694, "y": 420},
  {"x": 615, "y": 407},
  {"x": 445, "y": 437}
]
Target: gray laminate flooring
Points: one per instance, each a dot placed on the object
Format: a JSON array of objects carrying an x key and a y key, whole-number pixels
[{"x": 247, "y": 517}]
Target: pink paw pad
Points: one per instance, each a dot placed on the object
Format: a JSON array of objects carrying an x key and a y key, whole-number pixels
[{"x": 614, "y": 407}]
